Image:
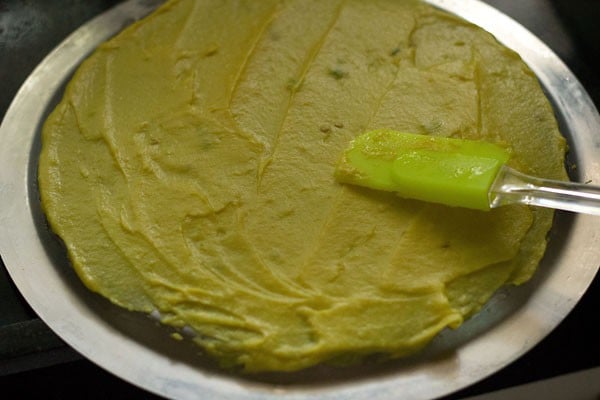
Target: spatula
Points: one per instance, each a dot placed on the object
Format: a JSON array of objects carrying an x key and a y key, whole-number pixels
[{"x": 454, "y": 172}]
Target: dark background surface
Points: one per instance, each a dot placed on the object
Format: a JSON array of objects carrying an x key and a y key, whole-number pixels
[{"x": 35, "y": 363}]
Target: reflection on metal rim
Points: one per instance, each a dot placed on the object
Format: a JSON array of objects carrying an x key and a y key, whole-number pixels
[{"x": 132, "y": 347}]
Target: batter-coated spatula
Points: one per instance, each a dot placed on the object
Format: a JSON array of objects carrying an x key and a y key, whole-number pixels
[{"x": 455, "y": 172}]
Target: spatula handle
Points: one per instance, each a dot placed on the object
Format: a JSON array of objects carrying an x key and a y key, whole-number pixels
[{"x": 513, "y": 187}]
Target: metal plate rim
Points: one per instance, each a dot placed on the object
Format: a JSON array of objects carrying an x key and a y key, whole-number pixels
[{"x": 69, "y": 318}]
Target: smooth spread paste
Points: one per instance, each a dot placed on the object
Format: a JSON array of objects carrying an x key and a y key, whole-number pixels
[{"x": 189, "y": 169}]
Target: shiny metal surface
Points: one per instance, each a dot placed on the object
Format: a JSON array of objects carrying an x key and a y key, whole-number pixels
[{"x": 133, "y": 347}]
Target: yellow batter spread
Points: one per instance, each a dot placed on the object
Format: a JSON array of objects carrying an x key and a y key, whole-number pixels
[{"x": 190, "y": 166}]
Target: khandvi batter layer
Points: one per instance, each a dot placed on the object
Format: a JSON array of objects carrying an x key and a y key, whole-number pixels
[{"x": 190, "y": 169}]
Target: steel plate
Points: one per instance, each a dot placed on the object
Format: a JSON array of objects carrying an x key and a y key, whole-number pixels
[{"x": 135, "y": 348}]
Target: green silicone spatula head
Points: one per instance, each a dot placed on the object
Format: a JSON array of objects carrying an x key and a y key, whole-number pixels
[
  {"x": 436, "y": 169},
  {"x": 454, "y": 172}
]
